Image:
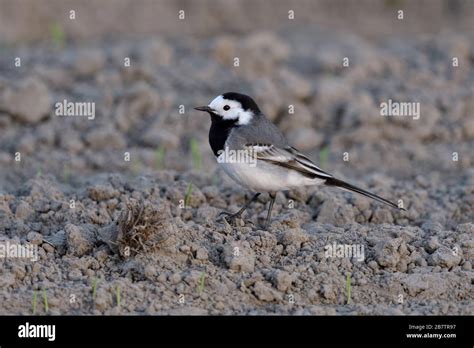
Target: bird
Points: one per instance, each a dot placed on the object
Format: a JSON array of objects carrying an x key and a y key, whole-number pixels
[{"x": 271, "y": 164}]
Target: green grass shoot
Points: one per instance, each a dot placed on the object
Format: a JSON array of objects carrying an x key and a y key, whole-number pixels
[
  {"x": 393, "y": 3},
  {"x": 196, "y": 154},
  {"x": 187, "y": 196},
  {"x": 117, "y": 295},
  {"x": 160, "y": 153},
  {"x": 201, "y": 282},
  {"x": 66, "y": 174},
  {"x": 136, "y": 166},
  {"x": 35, "y": 300},
  {"x": 57, "y": 34},
  {"x": 348, "y": 288},
  {"x": 45, "y": 299},
  {"x": 323, "y": 156},
  {"x": 215, "y": 179},
  {"x": 94, "y": 288}
]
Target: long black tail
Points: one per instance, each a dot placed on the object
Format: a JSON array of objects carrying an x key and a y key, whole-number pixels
[{"x": 349, "y": 187}]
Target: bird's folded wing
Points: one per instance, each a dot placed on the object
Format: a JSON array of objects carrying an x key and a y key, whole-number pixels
[{"x": 287, "y": 157}]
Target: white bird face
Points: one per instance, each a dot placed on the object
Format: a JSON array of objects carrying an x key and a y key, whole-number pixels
[{"x": 228, "y": 109}]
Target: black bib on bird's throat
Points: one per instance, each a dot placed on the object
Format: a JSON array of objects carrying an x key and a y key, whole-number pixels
[{"x": 219, "y": 132}]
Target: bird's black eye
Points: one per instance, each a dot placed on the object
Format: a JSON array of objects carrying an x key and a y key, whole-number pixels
[{"x": 226, "y": 107}]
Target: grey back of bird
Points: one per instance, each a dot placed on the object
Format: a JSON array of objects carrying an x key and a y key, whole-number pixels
[{"x": 259, "y": 131}]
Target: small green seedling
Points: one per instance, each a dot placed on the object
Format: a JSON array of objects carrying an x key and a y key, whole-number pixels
[
  {"x": 215, "y": 179},
  {"x": 323, "y": 156},
  {"x": 196, "y": 154},
  {"x": 393, "y": 3},
  {"x": 45, "y": 299},
  {"x": 187, "y": 196},
  {"x": 137, "y": 166},
  {"x": 117, "y": 295},
  {"x": 66, "y": 174},
  {"x": 35, "y": 300},
  {"x": 201, "y": 282},
  {"x": 160, "y": 154},
  {"x": 348, "y": 288},
  {"x": 94, "y": 288},
  {"x": 58, "y": 36}
]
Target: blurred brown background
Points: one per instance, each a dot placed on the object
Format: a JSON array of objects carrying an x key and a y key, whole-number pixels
[{"x": 31, "y": 20}]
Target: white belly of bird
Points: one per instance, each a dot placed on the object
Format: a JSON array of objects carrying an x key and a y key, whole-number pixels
[{"x": 267, "y": 177}]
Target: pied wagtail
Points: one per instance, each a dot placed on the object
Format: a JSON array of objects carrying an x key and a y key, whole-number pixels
[{"x": 238, "y": 124}]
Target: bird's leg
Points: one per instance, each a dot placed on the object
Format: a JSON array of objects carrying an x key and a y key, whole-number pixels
[
  {"x": 270, "y": 207},
  {"x": 233, "y": 216}
]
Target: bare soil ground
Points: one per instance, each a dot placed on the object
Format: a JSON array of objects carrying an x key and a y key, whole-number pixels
[{"x": 141, "y": 237}]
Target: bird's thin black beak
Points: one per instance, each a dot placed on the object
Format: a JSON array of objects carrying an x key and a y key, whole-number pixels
[{"x": 204, "y": 108}]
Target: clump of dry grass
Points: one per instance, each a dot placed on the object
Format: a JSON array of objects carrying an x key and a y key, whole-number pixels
[{"x": 142, "y": 227}]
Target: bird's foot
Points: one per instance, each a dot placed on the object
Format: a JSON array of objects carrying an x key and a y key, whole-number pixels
[
  {"x": 231, "y": 218},
  {"x": 265, "y": 225}
]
